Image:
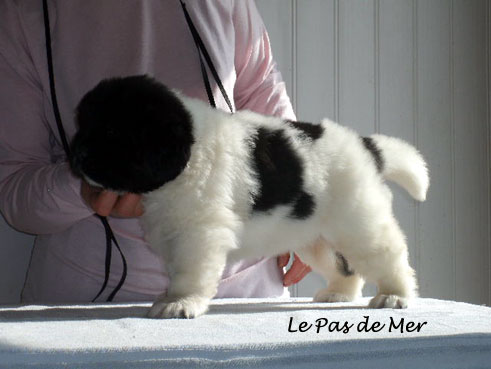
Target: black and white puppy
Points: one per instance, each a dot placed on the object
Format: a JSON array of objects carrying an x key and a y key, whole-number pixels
[{"x": 220, "y": 187}]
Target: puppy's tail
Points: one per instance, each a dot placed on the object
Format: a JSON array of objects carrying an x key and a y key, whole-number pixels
[{"x": 403, "y": 164}]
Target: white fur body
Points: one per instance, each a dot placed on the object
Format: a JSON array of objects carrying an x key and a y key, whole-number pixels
[{"x": 204, "y": 217}]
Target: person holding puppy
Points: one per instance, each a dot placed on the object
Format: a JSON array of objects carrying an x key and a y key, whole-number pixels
[{"x": 92, "y": 40}]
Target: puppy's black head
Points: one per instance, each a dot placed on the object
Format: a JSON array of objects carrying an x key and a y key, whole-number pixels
[{"x": 133, "y": 135}]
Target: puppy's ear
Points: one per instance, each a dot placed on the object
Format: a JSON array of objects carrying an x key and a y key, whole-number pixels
[
  {"x": 169, "y": 148},
  {"x": 166, "y": 133}
]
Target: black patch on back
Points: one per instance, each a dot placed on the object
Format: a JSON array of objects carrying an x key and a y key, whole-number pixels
[
  {"x": 375, "y": 151},
  {"x": 313, "y": 131},
  {"x": 279, "y": 170},
  {"x": 343, "y": 266}
]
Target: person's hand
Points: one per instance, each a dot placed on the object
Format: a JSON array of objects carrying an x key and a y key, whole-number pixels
[
  {"x": 106, "y": 203},
  {"x": 297, "y": 271}
]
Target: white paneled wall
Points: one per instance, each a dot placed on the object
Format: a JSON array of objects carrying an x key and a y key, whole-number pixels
[
  {"x": 419, "y": 70},
  {"x": 416, "y": 69}
]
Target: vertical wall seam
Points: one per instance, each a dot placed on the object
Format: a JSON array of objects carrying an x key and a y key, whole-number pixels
[
  {"x": 452, "y": 147},
  {"x": 484, "y": 206},
  {"x": 485, "y": 211},
  {"x": 376, "y": 6},
  {"x": 336, "y": 60},
  {"x": 415, "y": 95},
  {"x": 488, "y": 143},
  {"x": 484, "y": 183},
  {"x": 293, "y": 7}
]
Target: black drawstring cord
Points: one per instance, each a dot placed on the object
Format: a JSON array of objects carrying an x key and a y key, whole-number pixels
[
  {"x": 202, "y": 52},
  {"x": 52, "y": 89},
  {"x": 110, "y": 238}
]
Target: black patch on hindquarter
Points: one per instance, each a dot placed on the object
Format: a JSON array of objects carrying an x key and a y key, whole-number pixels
[
  {"x": 313, "y": 131},
  {"x": 304, "y": 206},
  {"x": 343, "y": 266},
  {"x": 375, "y": 151},
  {"x": 134, "y": 135},
  {"x": 279, "y": 170}
]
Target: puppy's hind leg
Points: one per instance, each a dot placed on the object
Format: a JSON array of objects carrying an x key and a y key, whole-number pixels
[
  {"x": 344, "y": 284},
  {"x": 391, "y": 271},
  {"x": 383, "y": 259},
  {"x": 195, "y": 265}
]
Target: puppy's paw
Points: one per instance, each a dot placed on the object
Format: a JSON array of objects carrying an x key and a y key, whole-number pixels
[
  {"x": 178, "y": 307},
  {"x": 388, "y": 301},
  {"x": 325, "y": 295}
]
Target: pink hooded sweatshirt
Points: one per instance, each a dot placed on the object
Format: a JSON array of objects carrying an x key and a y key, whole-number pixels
[{"x": 93, "y": 40}]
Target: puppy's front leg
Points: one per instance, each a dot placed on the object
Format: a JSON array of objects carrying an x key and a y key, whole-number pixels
[{"x": 195, "y": 265}]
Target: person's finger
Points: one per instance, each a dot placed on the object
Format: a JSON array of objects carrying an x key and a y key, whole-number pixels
[
  {"x": 100, "y": 201},
  {"x": 128, "y": 206},
  {"x": 139, "y": 209},
  {"x": 283, "y": 260},
  {"x": 294, "y": 276},
  {"x": 296, "y": 273},
  {"x": 103, "y": 202}
]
